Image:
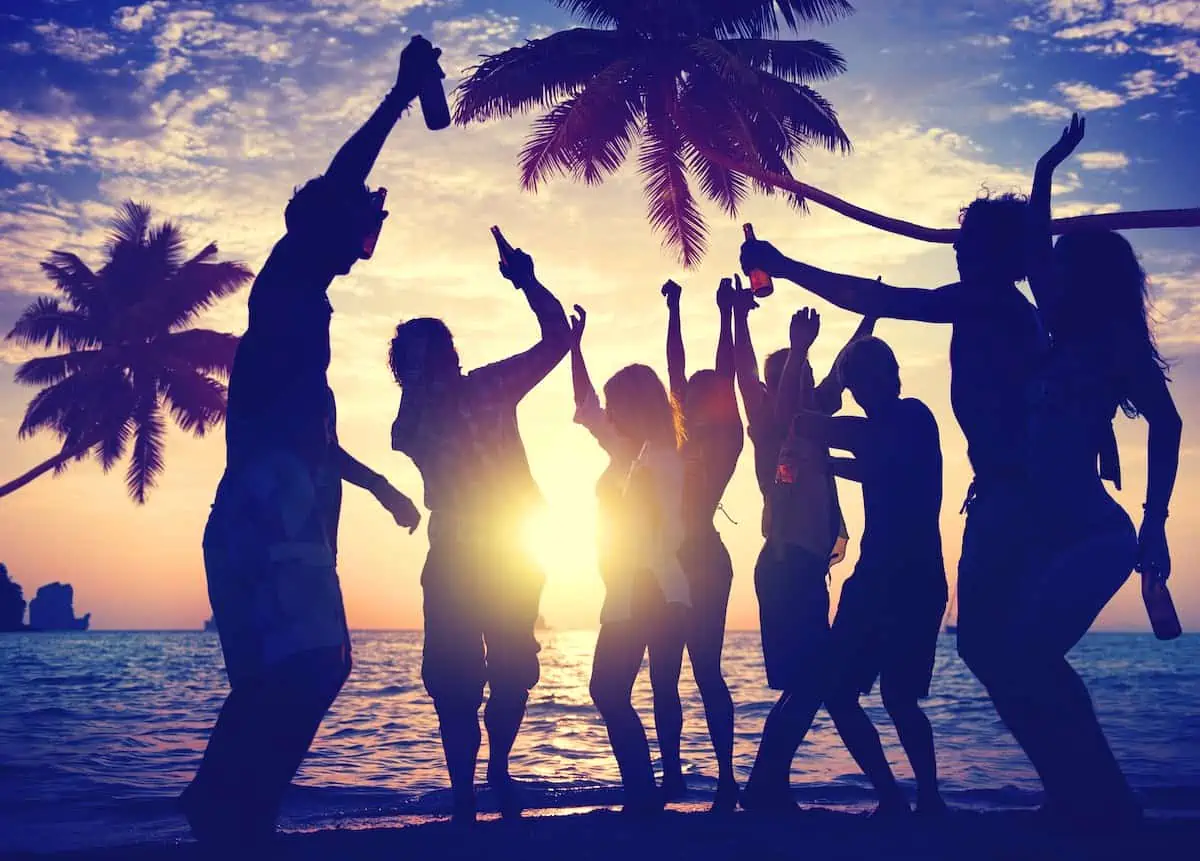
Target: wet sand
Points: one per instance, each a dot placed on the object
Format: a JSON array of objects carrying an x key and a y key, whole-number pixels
[{"x": 605, "y": 835}]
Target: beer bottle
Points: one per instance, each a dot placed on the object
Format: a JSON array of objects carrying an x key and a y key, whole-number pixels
[
  {"x": 433, "y": 99},
  {"x": 760, "y": 281},
  {"x": 1159, "y": 606}
]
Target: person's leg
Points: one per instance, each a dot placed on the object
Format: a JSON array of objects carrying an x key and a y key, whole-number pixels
[
  {"x": 262, "y": 734},
  {"x": 665, "y": 638},
  {"x": 794, "y": 622},
  {"x": 453, "y": 670},
  {"x": 711, "y": 577},
  {"x": 512, "y": 671},
  {"x": 617, "y": 661}
]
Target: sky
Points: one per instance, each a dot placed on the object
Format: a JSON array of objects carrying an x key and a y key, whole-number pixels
[{"x": 213, "y": 112}]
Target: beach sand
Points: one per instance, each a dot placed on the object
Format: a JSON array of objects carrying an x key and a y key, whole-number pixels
[{"x": 605, "y": 835}]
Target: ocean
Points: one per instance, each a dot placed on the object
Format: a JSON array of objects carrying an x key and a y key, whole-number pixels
[{"x": 100, "y": 731}]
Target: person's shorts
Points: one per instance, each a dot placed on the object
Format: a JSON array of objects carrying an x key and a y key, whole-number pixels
[
  {"x": 480, "y": 620},
  {"x": 890, "y": 637},
  {"x": 793, "y": 615}
]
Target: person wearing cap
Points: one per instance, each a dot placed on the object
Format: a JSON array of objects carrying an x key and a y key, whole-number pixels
[{"x": 270, "y": 544}]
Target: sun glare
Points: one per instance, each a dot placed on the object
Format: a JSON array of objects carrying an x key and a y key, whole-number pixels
[{"x": 562, "y": 536}]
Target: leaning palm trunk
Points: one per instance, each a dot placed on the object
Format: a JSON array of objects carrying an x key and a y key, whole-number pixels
[
  {"x": 1140, "y": 220},
  {"x": 45, "y": 466}
]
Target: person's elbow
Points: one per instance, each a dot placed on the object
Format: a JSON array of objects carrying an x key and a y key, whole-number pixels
[{"x": 556, "y": 335}]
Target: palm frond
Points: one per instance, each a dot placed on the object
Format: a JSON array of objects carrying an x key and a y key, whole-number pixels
[
  {"x": 197, "y": 402},
  {"x": 72, "y": 277},
  {"x": 198, "y": 285},
  {"x": 599, "y": 13},
  {"x": 112, "y": 447},
  {"x": 672, "y": 209},
  {"x": 146, "y": 455},
  {"x": 805, "y": 115},
  {"x": 165, "y": 243},
  {"x": 129, "y": 226},
  {"x": 763, "y": 17},
  {"x": 50, "y": 408},
  {"x": 799, "y": 60},
  {"x": 48, "y": 370},
  {"x": 201, "y": 350},
  {"x": 539, "y": 73},
  {"x": 46, "y": 323}
]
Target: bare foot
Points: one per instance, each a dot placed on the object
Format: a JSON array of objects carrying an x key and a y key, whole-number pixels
[{"x": 727, "y": 797}]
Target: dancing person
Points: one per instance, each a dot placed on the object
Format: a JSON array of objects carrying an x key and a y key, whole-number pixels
[
  {"x": 804, "y": 535},
  {"x": 647, "y": 596},
  {"x": 996, "y": 342},
  {"x": 1091, "y": 293},
  {"x": 271, "y": 541},
  {"x": 481, "y": 585},
  {"x": 712, "y": 443},
  {"x": 890, "y": 611}
]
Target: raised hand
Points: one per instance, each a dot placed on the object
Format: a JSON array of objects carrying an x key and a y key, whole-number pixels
[
  {"x": 743, "y": 297},
  {"x": 518, "y": 268},
  {"x": 725, "y": 294},
  {"x": 672, "y": 291},
  {"x": 578, "y": 324},
  {"x": 757, "y": 254},
  {"x": 418, "y": 65},
  {"x": 1071, "y": 137},
  {"x": 806, "y": 324}
]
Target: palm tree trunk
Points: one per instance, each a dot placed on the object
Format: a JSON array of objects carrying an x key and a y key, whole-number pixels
[
  {"x": 43, "y": 467},
  {"x": 1140, "y": 220}
]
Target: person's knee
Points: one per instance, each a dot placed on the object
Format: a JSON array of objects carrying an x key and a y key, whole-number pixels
[
  {"x": 608, "y": 697},
  {"x": 902, "y": 706}
]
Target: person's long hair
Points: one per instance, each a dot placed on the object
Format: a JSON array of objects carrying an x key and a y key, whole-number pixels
[
  {"x": 1105, "y": 305},
  {"x": 653, "y": 415}
]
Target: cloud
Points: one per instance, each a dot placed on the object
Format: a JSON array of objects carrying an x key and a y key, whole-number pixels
[
  {"x": 131, "y": 19},
  {"x": 1071, "y": 11},
  {"x": 1185, "y": 55},
  {"x": 1087, "y": 97},
  {"x": 1041, "y": 109},
  {"x": 1103, "y": 160},
  {"x": 986, "y": 41},
  {"x": 1098, "y": 30},
  {"x": 82, "y": 44}
]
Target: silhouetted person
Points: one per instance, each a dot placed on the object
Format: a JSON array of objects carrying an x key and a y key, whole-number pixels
[
  {"x": 647, "y": 600},
  {"x": 891, "y": 608},
  {"x": 482, "y": 586},
  {"x": 1091, "y": 293},
  {"x": 270, "y": 546},
  {"x": 712, "y": 444},
  {"x": 804, "y": 535},
  {"x": 996, "y": 343}
]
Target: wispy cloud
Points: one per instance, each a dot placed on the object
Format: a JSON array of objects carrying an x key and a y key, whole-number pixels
[
  {"x": 1041, "y": 109},
  {"x": 81, "y": 44},
  {"x": 1103, "y": 160},
  {"x": 1087, "y": 97}
]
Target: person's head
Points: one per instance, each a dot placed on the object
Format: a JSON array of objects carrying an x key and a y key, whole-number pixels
[
  {"x": 870, "y": 371},
  {"x": 333, "y": 222},
  {"x": 705, "y": 399},
  {"x": 773, "y": 372},
  {"x": 1104, "y": 300},
  {"x": 991, "y": 240},
  {"x": 423, "y": 350},
  {"x": 640, "y": 409}
]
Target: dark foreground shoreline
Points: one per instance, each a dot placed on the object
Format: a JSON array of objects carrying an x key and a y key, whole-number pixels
[{"x": 604, "y": 835}]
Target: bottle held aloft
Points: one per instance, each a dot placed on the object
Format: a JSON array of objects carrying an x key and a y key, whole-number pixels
[
  {"x": 433, "y": 95},
  {"x": 377, "y": 215},
  {"x": 1159, "y": 607},
  {"x": 760, "y": 282}
]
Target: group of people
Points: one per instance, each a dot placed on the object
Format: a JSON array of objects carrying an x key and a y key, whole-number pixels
[{"x": 1034, "y": 389}]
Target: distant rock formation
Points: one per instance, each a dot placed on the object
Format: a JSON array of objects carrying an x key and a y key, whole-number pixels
[
  {"x": 52, "y": 609},
  {"x": 210, "y": 625},
  {"x": 12, "y": 603},
  {"x": 540, "y": 624}
]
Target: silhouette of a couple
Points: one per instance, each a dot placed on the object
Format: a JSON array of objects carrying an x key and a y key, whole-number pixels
[{"x": 1045, "y": 547}]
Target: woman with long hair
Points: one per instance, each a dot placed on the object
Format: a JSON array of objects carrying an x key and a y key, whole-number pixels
[
  {"x": 1091, "y": 295},
  {"x": 647, "y": 597},
  {"x": 713, "y": 442}
]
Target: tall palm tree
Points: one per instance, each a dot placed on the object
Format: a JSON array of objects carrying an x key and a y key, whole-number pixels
[
  {"x": 129, "y": 353},
  {"x": 710, "y": 94},
  {"x": 687, "y": 78}
]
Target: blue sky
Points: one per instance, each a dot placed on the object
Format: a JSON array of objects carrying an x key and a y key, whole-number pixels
[{"x": 213, "y": 112}]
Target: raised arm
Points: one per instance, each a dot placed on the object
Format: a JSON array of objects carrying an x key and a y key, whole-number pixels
[
  {"x": 860, "y": 295},
  {"x": 725, "y": 361},
  {"x": 1039, "y": 246},
  {"x": 397, "y": 504},
  {"x": 845, "y": 433},
  {"x": 744, "y": 361},
  {"x": 588, "y": 411},
  {"x": 806, "y": 324},
  {"x": 518, "y": 374},
  {"x": 676, "y": 359},
  {"x": 828, "y": 395},
  {"x": 353, "y": 162},
  {"x": 1153, "y": 400}
]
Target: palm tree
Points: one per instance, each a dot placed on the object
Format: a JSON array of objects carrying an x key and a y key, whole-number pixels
[
  {"x": 710, "y": 95},
  {"x": 129, "y": 353},
  {"x": 687, "y": 78}
]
